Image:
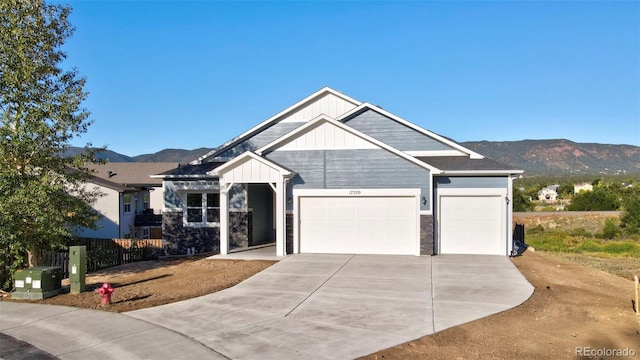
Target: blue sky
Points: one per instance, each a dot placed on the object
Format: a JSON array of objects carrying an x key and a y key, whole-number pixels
[{"x": 189, "y": 74}]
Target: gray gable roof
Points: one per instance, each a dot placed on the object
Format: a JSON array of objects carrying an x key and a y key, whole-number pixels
[
  {"x": 132, "y": 173},
  {"x": 466, "y": 164},
  {"x": 185, "y": 171}
]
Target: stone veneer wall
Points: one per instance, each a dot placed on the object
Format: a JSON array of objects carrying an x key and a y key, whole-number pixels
[
  {"x": 289, "y": 233},
  {"x": 181, "y": 240},
  {"x": 426, "y": 235}
]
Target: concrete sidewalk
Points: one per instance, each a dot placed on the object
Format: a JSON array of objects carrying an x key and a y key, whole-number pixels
[
  {"x": 72, "y": 333},
  {"x": 305, "y": 306}
]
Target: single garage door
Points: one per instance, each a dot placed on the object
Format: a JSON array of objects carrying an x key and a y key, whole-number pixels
[
  {"x": 472, "y": 225},
  {"x": 359, "y": 225}
]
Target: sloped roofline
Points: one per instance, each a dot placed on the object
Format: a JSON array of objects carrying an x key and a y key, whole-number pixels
[
  {"x": 324, "y": 118},
  {"x": 249, "y": 154},
  {"x": 274, "y": 119},
  {"x": 366, "y": 105}
]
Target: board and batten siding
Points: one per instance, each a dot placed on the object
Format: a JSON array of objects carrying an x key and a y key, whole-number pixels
[
  {"x": 352, "y": 169},
  {"x": 329, "y": 105},
  {"x": 394, "y": 133}
]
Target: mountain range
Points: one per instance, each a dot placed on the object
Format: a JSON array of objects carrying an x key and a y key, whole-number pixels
[{"x": 535, "y": 157}]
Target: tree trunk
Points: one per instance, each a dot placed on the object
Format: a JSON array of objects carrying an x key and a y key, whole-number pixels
[{"x": 33, "y": 258}]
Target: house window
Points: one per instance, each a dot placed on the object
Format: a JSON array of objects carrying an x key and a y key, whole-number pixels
[
  {"x": 194, "y": 208},
  {"x": 127, "y": 203},
  {"x": 213, "y": 207},
  {"x": 145, "y": 201},
  {"x": 203, "y": 208}
]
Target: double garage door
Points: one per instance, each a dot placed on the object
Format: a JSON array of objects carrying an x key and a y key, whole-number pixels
[{"x": 359, "y": 224}]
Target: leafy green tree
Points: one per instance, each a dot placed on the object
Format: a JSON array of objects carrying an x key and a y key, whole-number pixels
[
  {"x": 42, "y": 192},
  {"x": 630, "y": 220},
  {"x": 600, "y": 199},
  {"x": 565, "y": 190},
  {"x": 521, "y": 201}
]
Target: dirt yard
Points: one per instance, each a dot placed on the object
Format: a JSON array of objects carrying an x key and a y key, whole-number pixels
[
  {"x": 151, "y": 283},
  {"x": 572, "y": 306}
]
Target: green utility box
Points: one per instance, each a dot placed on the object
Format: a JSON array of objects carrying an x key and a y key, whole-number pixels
[
  {"x": 37, "y": 283},
  {"x": 77, "y": 268}
]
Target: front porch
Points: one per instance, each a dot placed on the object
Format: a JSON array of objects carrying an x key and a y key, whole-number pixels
[
  {"x": 255, "y": 215},
  {"x": 265, "y": 252}
]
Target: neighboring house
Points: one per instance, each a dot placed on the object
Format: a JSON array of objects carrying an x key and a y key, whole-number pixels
[
  {"x": 132, "y": 201},
  {"x": 577, "y": 188},
  {"x": 331, "y": 174},
  {"x": 549, "y": 193}
]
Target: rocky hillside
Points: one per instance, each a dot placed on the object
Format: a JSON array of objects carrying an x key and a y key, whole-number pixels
[{"x": 549, "y": 157}]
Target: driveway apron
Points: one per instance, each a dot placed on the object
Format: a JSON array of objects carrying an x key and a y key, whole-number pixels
[{"x": 325, "y": 306}]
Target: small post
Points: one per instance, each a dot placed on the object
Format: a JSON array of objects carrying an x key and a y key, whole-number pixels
[
  {"x": 636, "y": 282},
  {"x": 77, "y": 268}
]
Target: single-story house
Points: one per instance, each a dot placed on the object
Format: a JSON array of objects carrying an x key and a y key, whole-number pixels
[
  {"x": 129, "y": 198},
  {"x": 331, "y": 174}
]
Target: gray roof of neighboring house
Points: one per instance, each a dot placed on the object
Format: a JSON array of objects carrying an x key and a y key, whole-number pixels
[
  {"x": 463, "y": 163},
  {"x": 200, "y": 170},
  {"x": 111, "y": 185},
  {"x": 132, "y": 173}
]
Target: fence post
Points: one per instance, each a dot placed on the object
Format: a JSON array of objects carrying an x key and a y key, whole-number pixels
[{"x": 635, "y": 284}]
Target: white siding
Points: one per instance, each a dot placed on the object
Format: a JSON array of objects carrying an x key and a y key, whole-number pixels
[
  {"x": 251, "y": 171},
  {"x": 329, "y": 105},
  {"x": 327, "y": 136}
]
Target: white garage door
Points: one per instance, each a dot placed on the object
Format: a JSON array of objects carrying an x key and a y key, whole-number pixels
[
  {"x": 472, "y": 225},
  {"x": 359, "y": 225}
]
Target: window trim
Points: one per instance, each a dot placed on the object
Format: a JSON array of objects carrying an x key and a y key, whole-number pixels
[
  {"x": 204, "y": 208},
  {"x": 125, "y": 203}
]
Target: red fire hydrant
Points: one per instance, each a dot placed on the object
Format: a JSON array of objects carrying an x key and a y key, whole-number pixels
[{"x": 105, "y": 291}]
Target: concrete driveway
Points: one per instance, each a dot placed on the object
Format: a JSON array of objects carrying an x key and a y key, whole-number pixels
[{"x": 343, "y": 306}]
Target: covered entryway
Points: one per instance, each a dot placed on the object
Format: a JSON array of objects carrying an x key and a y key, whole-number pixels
[
  {"x": 358, "y": 221},
  {"x": 260, "y": 176},
  {"x": 472, "y": 223}
]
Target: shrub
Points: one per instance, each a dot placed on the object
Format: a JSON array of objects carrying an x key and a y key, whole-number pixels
[
  {"x": 630, "y": 221},
  {"x": 610, "y": 229}
]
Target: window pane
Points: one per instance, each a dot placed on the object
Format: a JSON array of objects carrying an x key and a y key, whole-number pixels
[
  {"x": 194, "y": 200},
  {"x": 194, "y": 215},
  {"x": 213, "y": 215},
  {"x": 213, "y": 200},
  {"x": 127, "y": 198}
]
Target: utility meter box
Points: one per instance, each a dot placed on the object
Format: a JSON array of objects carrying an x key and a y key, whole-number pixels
[
  {"x": 77, "y": 268},
  {"x": 37, "y": 283}
]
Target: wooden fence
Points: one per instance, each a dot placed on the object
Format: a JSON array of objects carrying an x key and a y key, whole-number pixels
[{"x": 104, "y": 253}]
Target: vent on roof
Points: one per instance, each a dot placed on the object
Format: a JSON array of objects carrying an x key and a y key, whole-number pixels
[{"x": 111, "y": 174}]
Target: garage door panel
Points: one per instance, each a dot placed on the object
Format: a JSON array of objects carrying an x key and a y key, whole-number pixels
[
  {"x": 472, "y": 225},
  {"x": 358, "y": 225}
]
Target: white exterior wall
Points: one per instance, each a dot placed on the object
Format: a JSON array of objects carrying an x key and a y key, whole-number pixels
[
  {"x": 108, "y": 206},
  {"x": 156, "y": 199},
  {"x": 329, "y": 105},
  {"x": 327, "y": 136}
]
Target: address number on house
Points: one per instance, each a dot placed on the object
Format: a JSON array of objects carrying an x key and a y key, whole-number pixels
[{"x": 355, "y": 192}]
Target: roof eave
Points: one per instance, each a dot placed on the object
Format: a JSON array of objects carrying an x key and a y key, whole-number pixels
[{"x": 481, "y": 172}]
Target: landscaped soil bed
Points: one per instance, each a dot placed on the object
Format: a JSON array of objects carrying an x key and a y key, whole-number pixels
[
  {"x": 572, "y": 306},
  {"x": 151, "y": 283}
]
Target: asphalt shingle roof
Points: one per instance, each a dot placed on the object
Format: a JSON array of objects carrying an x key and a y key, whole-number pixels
[
  {"x": 132, "y": 173},
  {"x": 463, "y": 163},
  {"x": 191, "y": 170}
]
